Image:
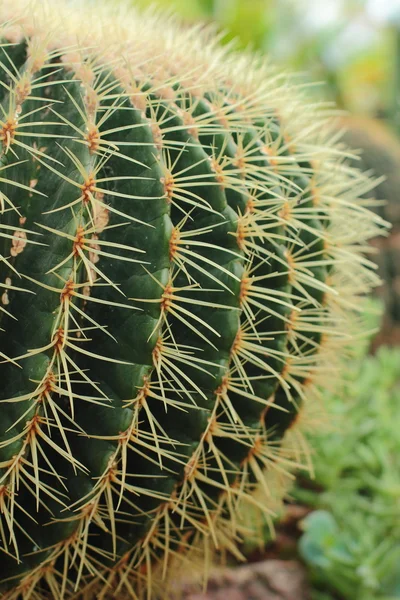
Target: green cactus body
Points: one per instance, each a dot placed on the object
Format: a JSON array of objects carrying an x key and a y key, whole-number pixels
[{"x": 181, "y": 258}]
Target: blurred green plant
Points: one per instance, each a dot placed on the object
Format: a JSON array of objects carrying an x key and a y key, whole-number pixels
[
  {"x": 351, "y": 52},
  {"x": 248, "y": 22},
  {"x": 352, "y": 541}
]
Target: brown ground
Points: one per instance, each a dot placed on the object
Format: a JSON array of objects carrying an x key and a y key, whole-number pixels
[
  {"x": 267, "y": 576},
  {"x": 266, "y": 580}
]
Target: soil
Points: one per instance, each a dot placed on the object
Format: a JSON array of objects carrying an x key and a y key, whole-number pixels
[
  {"x": 273, "y": 573},
  {"x": 266, "y": 580}
]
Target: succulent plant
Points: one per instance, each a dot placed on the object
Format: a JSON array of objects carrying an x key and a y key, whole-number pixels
[{"x": 181, "y": 267}]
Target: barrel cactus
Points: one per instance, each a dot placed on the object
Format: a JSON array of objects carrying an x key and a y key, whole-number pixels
[{"x": 182, "y": 262}]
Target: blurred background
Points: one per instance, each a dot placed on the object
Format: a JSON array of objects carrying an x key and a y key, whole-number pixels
[{"x": 341, "y": 527}]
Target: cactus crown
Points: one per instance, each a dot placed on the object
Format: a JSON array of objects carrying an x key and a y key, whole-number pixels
[{"x": 181, "y": 249}]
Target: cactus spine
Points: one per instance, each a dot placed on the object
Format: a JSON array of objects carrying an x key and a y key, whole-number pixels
[{"x": 181, "y": 262}]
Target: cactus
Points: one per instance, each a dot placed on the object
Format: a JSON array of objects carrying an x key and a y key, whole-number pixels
[
  {"x": 181, "y": 268},
  {"x": 379, "y": 152}
]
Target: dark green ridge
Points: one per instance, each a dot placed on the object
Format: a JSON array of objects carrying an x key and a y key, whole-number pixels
[
  {"x": 12, "y": 57},
  {"x": 36, "y": 260},
  {"x": 137, "y": 331},
  {"x": 222, "y": 144},
  {"x": 276, "y": 421},
  {"x": 273, "y": 327},
  {"x": 34, "y": 327},
  {"x": 264, "y": 264},
  {"x": 275, "y": 324},
  {"x": 222, "y": 221},
  {"x": 222, "y": 225}
]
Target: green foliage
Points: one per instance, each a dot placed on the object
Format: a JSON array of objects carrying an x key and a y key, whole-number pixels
[
  {"x": 357, "y": 76},
  {"x": 190, "y": 11},
  {"x": 352, "y": 542},
  {"x": 248, "y": 23}
]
